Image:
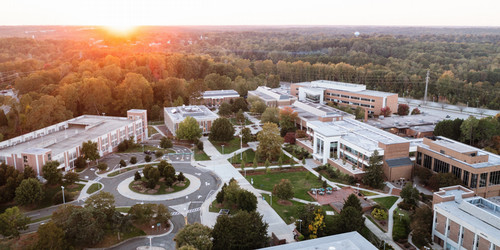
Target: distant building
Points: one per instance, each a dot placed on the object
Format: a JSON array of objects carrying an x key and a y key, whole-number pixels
[
  {"x": 348, "y": 94},
  {"x": 217, "y": 97},
  {"x": 272, "y": 97},
  {"x": 415, "y": 126},
  {"x": 175, "y": 115},
  {"x": 478, "y": 169},
  {"x": 62, "y": 141},
  {"x": 462, "y": 221},
  {"x": 345, "y": 241}
]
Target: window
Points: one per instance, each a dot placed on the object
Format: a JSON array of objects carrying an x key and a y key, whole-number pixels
[
  {"x": 473, "y": 181},
  {"x": 427, "y": 161},
  {"x": 441, "y": 166},
  {"x": 25, "y": 159},
  {"x": 354, "y": 97},
  {"x": 419, "y": 158},
  {"x": 441, "y": 151},
  {"x": 482, "y": 179},
  {"x": 456, "y": 171},
  {"x": 494, "y": 178},
  {"x": 344, "y": 96},
  {"x": 466, "y": 178},
  {"x": 49, "y": 157}
]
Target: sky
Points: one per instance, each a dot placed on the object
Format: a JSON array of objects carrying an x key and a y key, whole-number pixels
[{"x": 255, "y": 12}]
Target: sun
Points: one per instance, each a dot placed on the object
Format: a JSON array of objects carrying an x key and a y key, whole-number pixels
[{"x": 121, "y": 29}]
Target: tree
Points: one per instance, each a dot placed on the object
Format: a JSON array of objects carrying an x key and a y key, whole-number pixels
[
  {"x": 225, "y": 109},
  {"x": 244, "y": 230},
  {"x": 137, "y": 176},
  {"x": 403, "y": 109},
  {"x": 103, "y": 202},
  {"x": 80, "y": 162},
  {"x": 290, "y": 138},
  {"x": 71, "y": 177},
  {"x": 440, "y": 180},
  {"x": 12, "y": 221},
  {"x": 353, "y": 201},
  {"x": 308, "y": 214},
  {"x": 283, "y": 190},
  {"x": 350, "y": 219},
  {"x": 159, "y": 154},
  {"x": 257, "y": 106},
  {"x": 222, "y": 130},
  {"x": 50, "y": 236},
  {"x": 103, "y": 166},
  {"x": 469, "y": 129},
  {"x": 270, "y": 115},
  {"x": 153, "y": 177},
  {"x": 449, "y": 128},
  {"x": 240, "y": 104},
  {"x": 181, "y": 177},
  {"x": 89, "y": 151},
  {"x": 410, "y": 194},
  {"x": 359, "y": 113},
  {"x": 374, "y": 175},
  {"x": 133, "y": 160},
  {"x": 421, "y": 225},
  {"x": 287, "y": 118},
  {"x": 240, "y": 117},
  {"x": 149, "y": 213},
  {"x": 29, "y": 192},
  {"x": 51, "y": 173},
  {"x": 415, "y": 111},
  {"x": 246, "y": 135},
  {"x": 386, "y": 111},
  {"x": 270, "y": 141},
  {"x": 196, "y": 235},
  {"x": 28, "y": 172},
  {"x": 147, "y": 158},
  {"x": 246, "y": 200},
  {"x": 169, "y": 172},
  {"x": 84, "y": 226},
  {"x": 188, "y": 129},
  {"x": 122, "y": 164},
  {"x": 165, "y": 143}
]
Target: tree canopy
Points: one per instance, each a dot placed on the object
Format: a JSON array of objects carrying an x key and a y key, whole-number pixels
[{"x": 188, "y": 129}]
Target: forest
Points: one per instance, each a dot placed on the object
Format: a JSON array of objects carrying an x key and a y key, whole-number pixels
[{"x": 91, "y": 73}]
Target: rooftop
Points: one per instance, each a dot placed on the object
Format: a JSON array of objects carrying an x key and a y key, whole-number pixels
[
  {"x": 311, "y": 111},
  {"x": 199, "y": 112},
  {"x": 269, "y": 94},
  {"x": 78, "y": 130},
  {"x": 406, "y": 121},
  {"x": 345, "y": 241},
  {"x": 343, "y": 86},
  {"x": 220, "y": 93}
]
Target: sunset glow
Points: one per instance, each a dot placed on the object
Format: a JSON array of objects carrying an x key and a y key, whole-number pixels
[{"x": 120, "y": 30}]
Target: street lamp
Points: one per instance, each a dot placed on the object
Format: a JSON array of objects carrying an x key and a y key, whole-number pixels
[
  {"x": 64, "y": 200},
  {"x": 300, "y": 225},
  {"x": 241, "y": 146},
  {"x": 222, "y": 149},
  {"x": 400, "y": 214}
]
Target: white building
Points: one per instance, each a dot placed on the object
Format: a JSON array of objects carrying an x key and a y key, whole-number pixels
[{"x": 175, "y": 115}]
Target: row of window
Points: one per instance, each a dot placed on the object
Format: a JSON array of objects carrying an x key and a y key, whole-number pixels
[
  {"x": 351, "y": 97},
  {"x": 350, "y": 103}
]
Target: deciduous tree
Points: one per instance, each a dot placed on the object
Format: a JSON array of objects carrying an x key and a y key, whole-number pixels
[
  {"x": 90, "y": 152},
  {"x": 222, "y": 130},
  {"x": 270, "y": 115},
  {"x": 50, "y": 236},
  {"x": 196, "y": 235},
  {"x": 270, "y": 141},
  {"x": 374, "y": 175},
  {"x": 51, "y": 173},
  {"x": 29, "y": 192},
  {"x": 188, "y": 129},
  {"x": 283, "y": 190},
  {"x": 244, "y": 230},
  {"x": 12, "y": 221}
]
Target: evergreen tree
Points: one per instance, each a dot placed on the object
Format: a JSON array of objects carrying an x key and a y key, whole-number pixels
[{"x": 374, "y": 175}]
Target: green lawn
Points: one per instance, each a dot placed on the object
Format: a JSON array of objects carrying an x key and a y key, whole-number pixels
[
  {"x": 122, "y": 209},
  {"x": 401, "y": 227},
  {"x": 287, "y": 213},
  {"x": 229, "y": 146},
  {"x": 234, "y": 122},
  {"x": 301, "y": 181},
  {"x": 386, "y": 202},
  {"x": 200, "y": 155},
  {"x": 93, "y": 188},
  {"x": 367, "y": 193},
  {"x": 123, "y": 170},
  {"x": 162, "y": 190},
  {"x": 151, "y": 131},
  {"x": 214, "y": 208}
]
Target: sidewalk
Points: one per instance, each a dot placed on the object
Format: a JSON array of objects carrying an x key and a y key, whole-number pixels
[{"x": 209, "y": 149}]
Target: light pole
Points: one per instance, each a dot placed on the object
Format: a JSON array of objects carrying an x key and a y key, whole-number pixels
[
  {"x": 400, "y": 214},
  {"x": 222, "y": 149},
  {"x": 241, "y": 146},
  {"x": 64, "y": 200},
  {"x": 300, "y": 225}
]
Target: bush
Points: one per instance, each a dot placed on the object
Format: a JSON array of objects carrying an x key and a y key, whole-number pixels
[
  {"x": 133, "y": 160},
  {"x": 181, "y": 177},
  {"x": 137, "y": 176},
  {"x": 405, "y": 206},
  {"x": 199, "y": 145},
  {"x": 102, "y": 166},
  {"x": 400, "y": 230},
  {"x": 379, "y": 214},
  {"x": 122, "y": 163},
  {"x": 158, "y": 154},
  {"x": 147, "y": 158},
  {"x": 57, "y": 198}
]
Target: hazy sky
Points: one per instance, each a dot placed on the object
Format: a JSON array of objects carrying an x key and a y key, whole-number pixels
[{"x": 255, "y": 12}]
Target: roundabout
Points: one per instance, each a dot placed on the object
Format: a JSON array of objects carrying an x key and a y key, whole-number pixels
[{"x": 123, "y": 189}]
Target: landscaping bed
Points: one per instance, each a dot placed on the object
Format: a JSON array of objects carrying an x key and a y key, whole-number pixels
[
  {"x": 160, "y": 188},
  {"x": 93, "y": 188},
  {"x": 123, "y": 170}
]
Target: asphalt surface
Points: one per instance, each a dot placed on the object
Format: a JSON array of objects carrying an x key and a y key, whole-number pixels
[{"x": 181, "y": 162}]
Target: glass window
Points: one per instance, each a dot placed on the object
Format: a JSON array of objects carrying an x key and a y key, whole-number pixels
[
  {"x": 466, "y": 178},
  {"x": 494, "y": 178},
  {"x": 456, "y": 171},
  {"x": 427, "y": 161},
  {"x": 482, "y": 179},
  {"x": 441, "y": 166},
  {"x": 473, "y": 181}
]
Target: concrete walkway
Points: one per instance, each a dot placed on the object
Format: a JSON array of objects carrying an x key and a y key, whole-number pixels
[
  {"x": 123, "y": 189},
  {"x": 83, "y": 193},
  {"x": 209, "y": 149},
  {"x": 390, "y": 222},
  {"x": 380, "y": 234}
]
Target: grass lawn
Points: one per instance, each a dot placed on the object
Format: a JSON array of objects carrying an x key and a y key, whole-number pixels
[
  {"x": 123, "y": 170},
  {"x": 162, "y": 188},
  {"x": 200, "y": 155},
  {"x": 367, "y": 193},
  {"x": 287, "y": 213},
  {"x": 250, "y": 155},
  {"x": 386, "y": 202},
  {"x": 111, "y": 237},
  {"x": 122, "y": 209},
  {"x": 229, "y": 146},
  {"x": 215, "y": 208},
  {"x": 401, "y": 227},
  {"x": 93, "y": 188},
  {"x": 234, "y": 122},
  {"x": 151, "y": 131},
  {"x": 301, "y": 181}
]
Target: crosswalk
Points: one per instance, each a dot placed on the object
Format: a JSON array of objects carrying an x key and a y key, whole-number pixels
[{"x": 194, "y": 210}]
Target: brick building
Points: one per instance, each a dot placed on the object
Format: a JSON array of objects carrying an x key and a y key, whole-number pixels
[
  {"x": 479, "y": 170},
  {"x": 62, "y": 141},
  {"x": 175, "y": 115},
  {"x": 272, "y": 97},
  {"x": 217, "y": 97},
  {"x": 464, "y": 221},
  {"x": 349, "y": 94}
]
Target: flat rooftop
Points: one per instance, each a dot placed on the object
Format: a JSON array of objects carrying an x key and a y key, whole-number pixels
[
  {"x": 356, "y": 132},
  {"x": 82, "y": 128},
  {"x": 268, "y": 94},
  {"x": 345, "y": 241},
  {"x": 493, "y": 159},
  {"x": 343, "y": 86},
  {"x": 406, "y": 121},
  {"x": 220, "y": 93},
  {"x": 311, "y": 111},
  {"x": 199, "y": 112}
]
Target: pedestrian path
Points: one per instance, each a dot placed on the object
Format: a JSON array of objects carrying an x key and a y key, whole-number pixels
[
  {"x": 83, "y": 193},
  {"x": 380, "y": 234},
  {"x": 209, "y": 148},
  {"x": 159, "y": 130}
]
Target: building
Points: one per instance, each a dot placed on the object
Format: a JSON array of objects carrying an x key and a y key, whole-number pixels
[
  {"x": 478, "y": 169},
  {"x": 354, "y": 95},
  {"x": 217, "y": 97},
  {"x": 348, "y": 145},
  {"x": 62, "y": 141},
  {"x": 175, "y": 115},
  {"x": 344, "y": 241},
  {"x": 464, "y": 221},
  {"x": 272, "y": 97},
  {"x": 309, "y": 111},
  {"x": 415, "y": 126}
]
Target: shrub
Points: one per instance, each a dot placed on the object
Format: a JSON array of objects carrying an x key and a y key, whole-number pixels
[
  {"x": 199, "y": 145},
  {"x": 386, "y": 111},
  {"x": 133, "y": 160},
  {"x": 300, "y": 134},
  {"x": 181, "y": 177},
  {"x": 379, "y": 214},
  {"x": 405, "y": 206},
  {"x": 158, "y": 154},
  {"x": 122, "y": 163},
  {"x": 137, "y": 176},
  {"x": 147, "y": 158},
  {"x": 102, "y": 166}
]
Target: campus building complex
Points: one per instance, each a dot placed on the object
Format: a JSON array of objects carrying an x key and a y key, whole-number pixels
[
  {"x": 478, "y": 169},
  {"x": 272, "y": 97},
  {"x": 464, "y": 221},
  {"x": 175, "y": 115},
  {"x": 415, "y": 126},
  {"x": 348, "y": 145},
  {"x": 308, "y": 112},
  {"x": 217, "y": 97},
  {"x": 62, "y": 141},
  {"x": 353, "y": 95}
]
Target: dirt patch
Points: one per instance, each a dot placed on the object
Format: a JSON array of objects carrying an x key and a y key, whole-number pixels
[
  {"x": 137, "y": 183},
  {"x": 181, "y": 184},
  {"x": 152, "y": 191},
  {"x": 169, "y": 190},
  {"x": 285, "y": 203}
]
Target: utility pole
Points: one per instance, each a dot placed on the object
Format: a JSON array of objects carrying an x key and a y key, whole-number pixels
[{"x": 426, "y": 84}]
